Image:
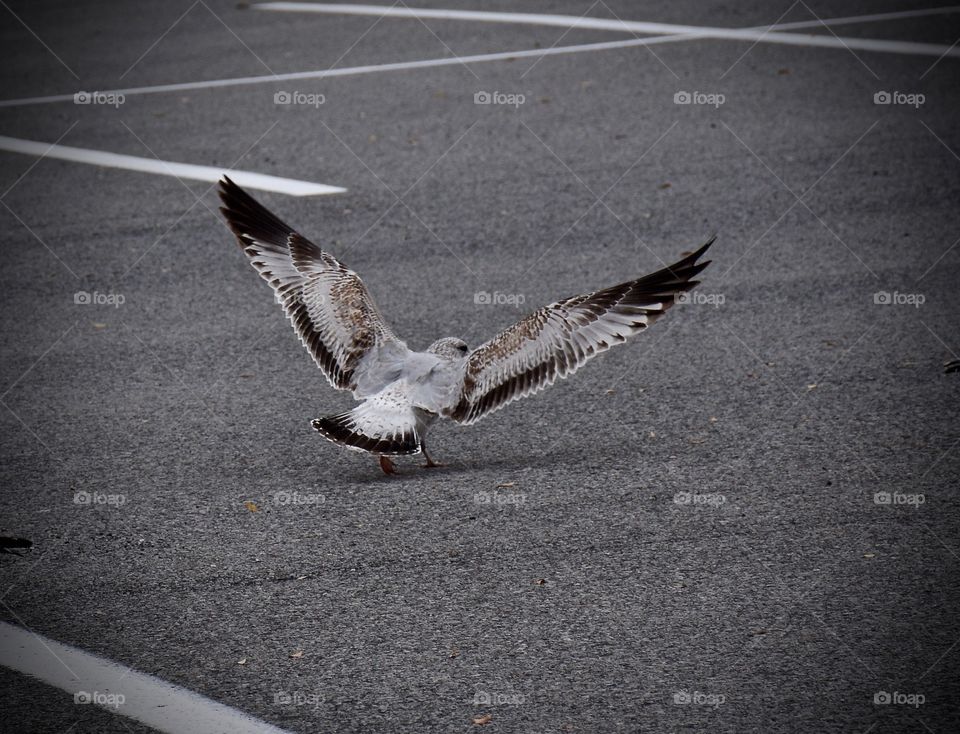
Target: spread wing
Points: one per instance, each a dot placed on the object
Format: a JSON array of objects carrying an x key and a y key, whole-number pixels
[
  {"x": 555, "y": 341},
  {"x": 328, "y": 304}
]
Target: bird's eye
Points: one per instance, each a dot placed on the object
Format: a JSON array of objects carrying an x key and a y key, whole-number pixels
[{"x": 462, "y": 348}]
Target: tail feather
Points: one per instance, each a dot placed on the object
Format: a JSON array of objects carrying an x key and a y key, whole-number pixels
[{"x": 382, "y": 425}]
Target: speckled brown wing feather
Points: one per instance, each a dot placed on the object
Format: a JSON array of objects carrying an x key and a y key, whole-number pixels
[
  {"x": 557, "y": 340},
  {"x": 327, "y": 303}
]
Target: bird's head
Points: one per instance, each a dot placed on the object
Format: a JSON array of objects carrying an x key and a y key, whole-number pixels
[{"x": 450, "y": 347}]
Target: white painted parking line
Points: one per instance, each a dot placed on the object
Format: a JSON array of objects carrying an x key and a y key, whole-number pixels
[
  {"x": 252, "y": 180},
  {"x": 574, "y": 22},
  {"x": 92, "y": 680},
  {"x": 927, "y": 49},
  {"x": 355, "y": 70},
  {"x": 570, "y": 21},
  {"x": 873, "y": 18}
]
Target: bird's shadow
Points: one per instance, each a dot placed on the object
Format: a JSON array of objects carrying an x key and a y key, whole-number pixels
[{"x": 370, "y": 474}]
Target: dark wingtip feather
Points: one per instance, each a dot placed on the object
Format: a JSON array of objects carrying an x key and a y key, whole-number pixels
[
  {"x": 698, "y": 253},
  {"x": 228, "y": 190},
  {"x": 249, "y": 219},
  {"x": 676, "y": 277}
]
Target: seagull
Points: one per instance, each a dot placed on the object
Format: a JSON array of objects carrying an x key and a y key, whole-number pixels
[{"x": 402, "y": 392}]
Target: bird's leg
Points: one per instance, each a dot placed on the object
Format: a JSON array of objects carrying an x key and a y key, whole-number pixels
[
  {"x": 431, "y": 464},
  {"x": 386, "y": 463}
]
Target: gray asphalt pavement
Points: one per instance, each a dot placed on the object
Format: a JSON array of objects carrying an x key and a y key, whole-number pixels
[{"x": 743, "y": 520}]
